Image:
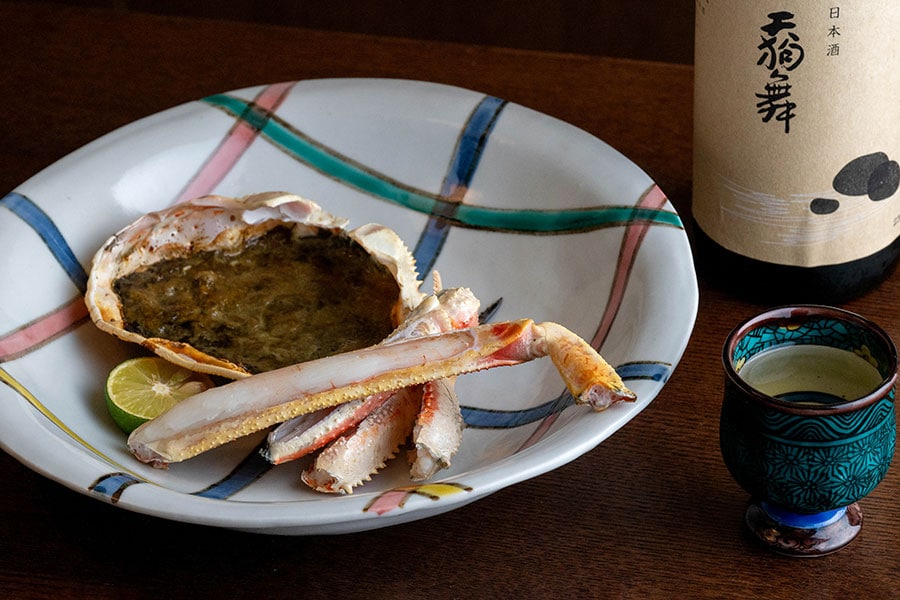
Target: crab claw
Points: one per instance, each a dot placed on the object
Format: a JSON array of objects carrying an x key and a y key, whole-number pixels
[
  {"x": 245, "y": 406},
  {"x": 590, "y": 379}
]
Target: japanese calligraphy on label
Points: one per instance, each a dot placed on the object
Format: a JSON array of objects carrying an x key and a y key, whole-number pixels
[{"x": 780, "y": 53}]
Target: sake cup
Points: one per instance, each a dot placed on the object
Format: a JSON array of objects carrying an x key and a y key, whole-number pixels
[{"x": 808, "y": 425}]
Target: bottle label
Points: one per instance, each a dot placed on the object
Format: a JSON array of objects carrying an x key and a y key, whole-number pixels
[{"x": 797, "y": 128}]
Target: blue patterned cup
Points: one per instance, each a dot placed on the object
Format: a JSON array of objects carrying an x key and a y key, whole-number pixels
[{"x": 808, "y": 426}]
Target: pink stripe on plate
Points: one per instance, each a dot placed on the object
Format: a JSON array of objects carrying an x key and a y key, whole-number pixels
[
  {"x": 232, "y": 147},
  {"x": 388, "y": 501},
  {"x": 33, "y": 335},
  {"x": 631, "y": 243}
]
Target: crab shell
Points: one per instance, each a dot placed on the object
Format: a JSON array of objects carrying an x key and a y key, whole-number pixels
[{"x": 227, "y": 224}]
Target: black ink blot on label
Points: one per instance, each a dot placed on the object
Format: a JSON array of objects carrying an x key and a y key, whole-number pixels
[
  {"x": 873, "y": 175},
  {"x": 853, "y": 179},
  {"x": 884, "y": 180},
  {"x": 824, "y": 206}
]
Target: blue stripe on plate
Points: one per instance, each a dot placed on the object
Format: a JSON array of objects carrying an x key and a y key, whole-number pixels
[
  {"x": 481, "y": 418},
  {"x": 112, "y": 485},
  {"x": 249, "y": 470},
  {"x": 469, "y": 149},
  {"x": 38, "y": 220},
  {"x": 645, "y": 370}
]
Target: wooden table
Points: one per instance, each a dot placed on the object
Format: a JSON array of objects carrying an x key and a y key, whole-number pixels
[{"x": 651, "y": 512}]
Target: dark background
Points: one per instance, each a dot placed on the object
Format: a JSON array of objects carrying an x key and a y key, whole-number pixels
[{"x": 661, "y": 30}]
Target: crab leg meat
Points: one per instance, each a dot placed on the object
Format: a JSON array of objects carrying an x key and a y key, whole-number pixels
[
  {"x": 224, "y": 413},
  {"x": 446, "y": 310},
  {"x": 354, "y": 457}
]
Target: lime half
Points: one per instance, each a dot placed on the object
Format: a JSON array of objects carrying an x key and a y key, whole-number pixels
[{"x": 141, "y": 389}]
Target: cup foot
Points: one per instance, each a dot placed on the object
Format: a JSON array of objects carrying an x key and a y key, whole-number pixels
[{"x": 803, "y": 535}]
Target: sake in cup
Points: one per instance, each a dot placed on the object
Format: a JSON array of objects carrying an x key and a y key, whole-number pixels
[{"x": 808, "y": 425}]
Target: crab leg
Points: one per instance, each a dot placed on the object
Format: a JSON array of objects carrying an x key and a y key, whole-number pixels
[
  {"x": 353, "y": 458},
  {"x": 224, "y": 413},
  {"x": 360, "y": 453},
  {"x": 307, "y": 433},
  {"x": 438, "y": 430},
  {"x": 446, "y": 310}
]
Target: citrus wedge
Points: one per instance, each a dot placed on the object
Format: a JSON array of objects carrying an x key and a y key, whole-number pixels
[{"x": 141, "y": 389}]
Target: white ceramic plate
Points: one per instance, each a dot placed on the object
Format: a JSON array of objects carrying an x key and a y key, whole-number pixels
[{"x": 552, "y": 220}]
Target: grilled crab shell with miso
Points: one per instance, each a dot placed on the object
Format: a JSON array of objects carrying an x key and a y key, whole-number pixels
[{"x": 227, "y": 225}]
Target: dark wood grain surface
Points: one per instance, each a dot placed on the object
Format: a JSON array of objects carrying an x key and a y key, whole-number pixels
[{"x": 651, "y": 512}]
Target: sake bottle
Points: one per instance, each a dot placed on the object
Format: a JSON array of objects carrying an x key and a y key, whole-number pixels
[{"x": 796, "y": 146}]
